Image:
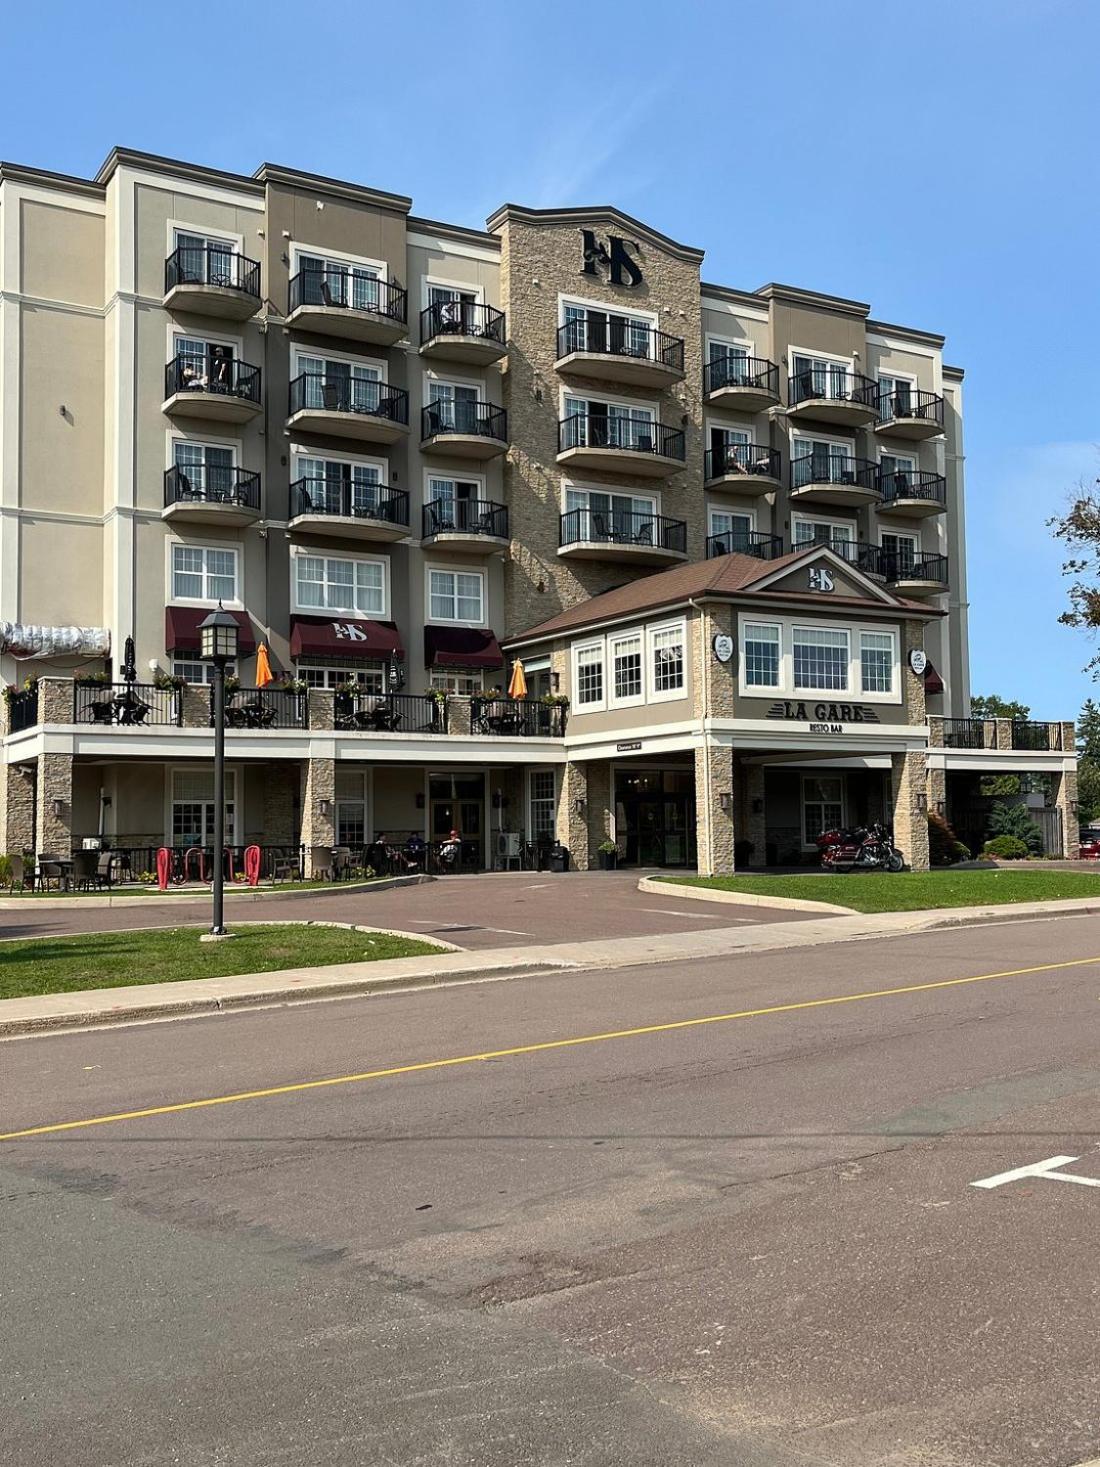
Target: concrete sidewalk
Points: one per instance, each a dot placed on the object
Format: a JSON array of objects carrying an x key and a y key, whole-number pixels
[{"x": 22, "y": 1016}]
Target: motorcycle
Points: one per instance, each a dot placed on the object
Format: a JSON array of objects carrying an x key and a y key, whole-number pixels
[{"x": 866, "y": 848}]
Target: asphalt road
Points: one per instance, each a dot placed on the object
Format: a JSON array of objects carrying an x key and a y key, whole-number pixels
[{"x": 750, "y": 1241}]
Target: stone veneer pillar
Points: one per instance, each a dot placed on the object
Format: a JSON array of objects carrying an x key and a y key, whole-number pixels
[
  {"x": 756, "y": 813},
  {"x": 318, "y": 826},
  {"x": 714, "y": 822},
  {"x": 1065, "y": 795},
  {"x": 599, "y": 807},
  {"x": 910, "y": 783},
  {"x": 53, "y": 832},
  {"x": 281, "y": 783},
  {"x": 17, "y": 832},
  {"x": 572, "y": 826}
]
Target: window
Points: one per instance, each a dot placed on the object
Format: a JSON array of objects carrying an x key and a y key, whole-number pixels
[
  {"x": 338, "y": 486},
  {"x": 465, "y": 684},
  {"x": 839, "y": 535},
  {"x": 897, "y": 463},
  {"x": 456, "y": 596},
  {"x": 876, "y": 659},
  {"x": 338, "y": 386},
  {"x": 896, "y": 396},
  {"x": 820, "y": 659},
  {"x": 626, "y": 668},
  {"x": 589, "y": 676},
  {"x": 729, "y": 531},
  {"x": 457, "y": 308},
  {"x": 587, "y": 328},
  {"x": 329, "y": 282},
  {"x": 601, "y": 515},
  {"x": 761, "y": 655},
  {"x": 206, "y": 470},
  {"x": 329, "y": 583},
  {"x": 455, "y": 504},
  {"x": 195, "y": 670},
  {"x": 203, "y": 573},
  {"x": 821, "y": 460},
  {"x": 204, "y": 259},
  {"x": 734, "y": 357},
  {"x": 452, "y": 407},
  {"x": 900, "y": 553},
  {"x": 666, "y": 660},
  {"x": 205, "y": 366},
  {"x": 542, "y": 804},
  {"x": 369, "y": 677},
  {"x": 822, "y": 806},
  {"x": 819, "y": 377},
  {"x": 608, "y": 425},
  {"x": 351, "y": 808},
  {"x": 193, "y": 808}
]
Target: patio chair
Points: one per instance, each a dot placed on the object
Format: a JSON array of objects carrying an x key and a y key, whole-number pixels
[
  {"x": 330, "y": 396},
  {"x": 341, "y": 862},
  {"x": 644, "y": 533},
  {"x": 103, "y": 711},
  {"x": 598, "y": 526},
  {"x": 50, "y": 869},
  {"x": 85, "y": 865},
  {"x": 320, "y": 862}
]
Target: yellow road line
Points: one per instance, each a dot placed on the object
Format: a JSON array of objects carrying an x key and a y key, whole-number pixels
[{"x": 548, "y": 1044}]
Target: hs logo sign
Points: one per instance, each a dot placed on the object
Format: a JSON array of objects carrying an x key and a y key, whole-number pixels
[
  {"x": 348, "y": 631},
  {"x": 613, "y": 258},
  {"x": 821, "y": 579}
]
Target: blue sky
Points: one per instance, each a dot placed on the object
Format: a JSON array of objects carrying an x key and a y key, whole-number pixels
[{"x": 938, "y": 160}]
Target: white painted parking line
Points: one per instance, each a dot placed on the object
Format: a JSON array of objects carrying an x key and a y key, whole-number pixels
[
  {"x": 692, "y": 916},
  {"x": 508, "y": 931},
  {"x": 1048, "y": 1169}
]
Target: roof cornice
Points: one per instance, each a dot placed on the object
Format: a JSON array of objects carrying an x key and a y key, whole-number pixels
[
  {"x": 43, "y": 178},
  {"x": 956, "y": 374},
  {"x": 593, "y": 214},
  {"x": 795, "y": 296},
  {"x": 457, "y": 232},
  {"x": 910, "y": 333},
  {"x": 154, "y": 162},
  {"x": 356, "y": 193}
]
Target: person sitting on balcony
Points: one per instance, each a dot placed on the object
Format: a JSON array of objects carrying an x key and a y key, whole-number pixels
[{"x": 192, "y": 375}]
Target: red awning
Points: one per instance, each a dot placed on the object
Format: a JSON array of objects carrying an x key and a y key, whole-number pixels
[
  {"x": 326, "y": 636},
  {"x": 461, "y": 647},
  {"x": 181, "y": 629},
  {"x": 933, "y": 683}
]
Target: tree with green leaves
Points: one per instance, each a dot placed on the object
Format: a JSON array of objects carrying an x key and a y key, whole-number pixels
[
  {"x": 1079, "y": 530},
  {"x": 983, "y": 705},
  {"x": 1088, "y": 764},
  {"x": 1088, "y": 731}
]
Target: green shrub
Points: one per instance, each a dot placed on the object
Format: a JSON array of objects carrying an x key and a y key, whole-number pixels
[
  {"x": 944, "y": 846},
  {"x": 5, "y": 870},
  {"x": 1014, "y": 820},
  {"x": 1006, "y": 848}
]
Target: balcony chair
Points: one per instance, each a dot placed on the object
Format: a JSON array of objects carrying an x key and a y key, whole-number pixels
[
  {"x": 598, "y": 527},
  {"x": 386, "y": 408},
  {"x": 438, "y": 521},
  {"x": 128, "y": 708},
  {"x": 644, "y": 443},
  {"x": 103, "y": 711},
  {"x": 643, "y": 535},
  {"x": 331, "y": 397}
]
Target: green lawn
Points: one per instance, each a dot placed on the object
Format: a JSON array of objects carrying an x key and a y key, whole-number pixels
[
  {"x": 876, "y": 891},
  {"x": 121, "y": 959}
]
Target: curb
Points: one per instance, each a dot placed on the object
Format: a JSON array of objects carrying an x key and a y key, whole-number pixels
[
  {"x": 202, "y": 898},
  {"x": 654, "y": 887}
]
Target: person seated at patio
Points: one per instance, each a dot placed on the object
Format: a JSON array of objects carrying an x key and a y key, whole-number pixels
[
  {"x": 450, "y": 852},
  {"x": 415, "y": 853}
]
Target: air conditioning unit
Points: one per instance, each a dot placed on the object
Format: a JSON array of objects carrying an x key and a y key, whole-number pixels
[
  {"x": 92, "y": 843},
  {"x": 509, "y": 844}
]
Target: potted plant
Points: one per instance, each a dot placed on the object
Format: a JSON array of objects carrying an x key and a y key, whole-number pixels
[
  {"x": 168, "y": 681},
  {"x": 608, "y": 853},
  {"x": 95, "y": 679}
]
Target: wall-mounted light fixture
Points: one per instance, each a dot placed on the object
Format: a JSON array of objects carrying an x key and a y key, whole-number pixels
[
  {"x": 555, "y": 681},
  {"x": 579, "y": 807},
  {"x": 758, "y": 806},
  {"x": 58, "y": 808},
  {"x": 325, "y": 807},
  {"x": 922, "y": 801},
  {"x": 725, "y": 800}
]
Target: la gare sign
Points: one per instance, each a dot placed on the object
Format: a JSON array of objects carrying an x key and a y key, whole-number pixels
[{"x": 823, "y": 718}]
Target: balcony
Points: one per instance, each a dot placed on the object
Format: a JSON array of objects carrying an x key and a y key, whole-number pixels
[
  {"x": 833, "y": 395},
  {"x": 211, "y": 281},
  {"x": 746, "y": 384},
  {"x": 830, "y": 478},
  {"x": 923, "y": 575},
  {"x": 208, "y": 494},
  {"x": 872, "y": 560},
  {"x": 463, "y": 331},
  {"x": 625, "y": 535},
  {"x": 465, "y": 524},
  {"x": 620, "y": 446},
  {"x": 471, "y": 430},
  {"x": 217, "y": 388},
  {"x": 264, "y": 708},
  {"x": 517, "y": 718},
  {"x": 357, "y": 712},
  {"x": 908, "y": 413},
  {"x": 747, "y": 468},
  {"x": 913, "y": 492},
  {"x": 353, "y": 307},
  {"x": 744, "y": 542},
  {"x": 350, "y": 510},
  {"x": 349, "y": 407},
  {"x": 612, "y": 349},
  {"x": 1039, "y": 737},
  {"x": 1028, "y": 735},
  {"x": 132, "y": 705}
]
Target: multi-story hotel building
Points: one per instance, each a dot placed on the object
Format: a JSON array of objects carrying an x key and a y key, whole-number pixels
[{"x": 722, "y": 529}]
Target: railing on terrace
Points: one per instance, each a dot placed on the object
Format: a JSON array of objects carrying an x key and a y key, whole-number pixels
[
  {"x": 969, "y": 733},
  {"x": 517, "y": 718},
  {"x": 212, "y": 373},
  {"x": 462, "y": 318},
  {"x": 738, "y": 371},
  {"x": 212, "y": 484},
  {"x": 212, "y": 265},
  {"x": 916, "y": 568},
  {"x": 348, "y": 499},
  {"x": 263, "y": 708},
  {"x": 391, "y": 713},
  {"x": 623, "y": 527},
  {"x": 745, "y": 542},
  {"x": 616, "y": 336},
  {"x": 870, "y": 559},
  {"x": 348, "y": 290},
  {"x": 592, "y": 430},
  {"x": 1032, "y": 734},
  {"x": 465, "y": 517},
  {"x": 911, "y": 484},
  {"x": 832, "y": 384},
  {"x": 742, "y": 458},
  {"x": 479, "y": 419},
  {"x": 314, "y": 392},
  {"x": 909, "y": 402},
  {"x": 131, "y": 704},
  {"x": 832, "y": 468},
  {"x": 22, "y": 709}
]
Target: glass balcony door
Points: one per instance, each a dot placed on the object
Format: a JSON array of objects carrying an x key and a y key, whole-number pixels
[{"x": 206, "y": 471}]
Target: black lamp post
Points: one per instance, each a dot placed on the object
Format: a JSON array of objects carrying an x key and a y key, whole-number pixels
[{"x": 220, "y": 635}]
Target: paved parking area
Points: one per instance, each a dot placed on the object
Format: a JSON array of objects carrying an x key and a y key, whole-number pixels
[{"x": 505, "y": 910}]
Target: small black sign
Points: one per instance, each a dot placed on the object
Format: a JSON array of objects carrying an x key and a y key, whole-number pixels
[
  {"x": 612, "y": 257},
  {"x": 823, "y": 717},
  {"x": 628, "y": 746}
]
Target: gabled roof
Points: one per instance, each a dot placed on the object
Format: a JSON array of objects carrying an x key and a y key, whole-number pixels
[{"x": 726, "y": 577}]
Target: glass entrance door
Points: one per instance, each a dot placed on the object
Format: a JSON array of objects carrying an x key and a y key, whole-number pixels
[
  {"x": 655, "y": 816},
  {"x": 457, "y": 802}
]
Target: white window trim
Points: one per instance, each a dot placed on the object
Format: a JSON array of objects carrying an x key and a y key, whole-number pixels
[
  {"x": 811, "y": 845},
  {"x": 671, "y": 695},
  {"x": 447, "y": 378},
  {"x": 912, "y": 535},
  {"x": 298, "y": 351},
  {"x": 348, "y": 612},
  {"x": 205, "y": 231},
  {"x": 600, "y": 705},
  {"x": 785, "y": 688},
  {"x": 176, "y": 435},
  {"x": 455, "y": 478},
  {"x": 801, "y": 435},
  {"x": 455, "y": 570},
  {"x": 713, "y": 425},
  {"x": 565, "y": 393},
  {"x": 171, "y": 541},
  {"x": 836, "y": 359},
  {"x": 234, "y": 773},
  {"x": 885, "y": 452},
  {"x": 466, "y": 286},
  {"x": 176, "y": 332},
  {"x": 744, "y": 343},
  {"x": 304, "y": 450},
  {"x": 612, "y": 308},
  {"x": 623, "y": 491},
  {"x": 528, "y": 822},
  {"x": 747, "y": 513},
  {"x": 801, "y": 517},
  {"x": 339, "y": 257},
  {"x": 632, "y": 634}
]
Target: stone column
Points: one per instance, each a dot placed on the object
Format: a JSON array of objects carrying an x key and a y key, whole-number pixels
[
  {"x": 713, "y": 815},
  {"x": 910, "y": 785},
  {"x": 915, "y": 701},
  {"x": 55, "y": 700},
  {"x": 321, "y": 710},
  {"x": 935, "y": 731},
  {"x": 17, "y": 832},
  {"x": 459, "y": 710},
  {"x": 281, "y": 782},
  {"x": 198, "y": 707},
  {"x": 572, "y": 826},
  {"x": 1065, "y": 800},
  {"x": 756, "y": 814},
  {"x": 937, "y": 791},
  {"x": 318, "y": 826},
  {"x": 599, "y": 807},
  {"x": 1002, "y": 733},
  {"x": 53, "y": 832}
]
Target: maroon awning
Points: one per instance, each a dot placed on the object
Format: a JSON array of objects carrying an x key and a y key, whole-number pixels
[
  {"x": 933, "y": 683},
  {"x": 461, "y": 647},
  {"x": 326, "y": 636},
  {"x": 181, "y": 629}
]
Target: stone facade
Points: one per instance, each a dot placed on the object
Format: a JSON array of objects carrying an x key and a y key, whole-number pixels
[
  {"x": 912, "y": 639},
  {"x": 318, "y": 825},
  {"x": 282, "y": 792},
  {"x": 197, "y": 705},
  {"x": 572, "y": 824},
  {"x": 17, "y": 783},
  {"x": 53, "y": 830},
  {"x": 714, "y": 774},
  {"x": 599, "y": 807},
  {"x": 909, "y": 779}
]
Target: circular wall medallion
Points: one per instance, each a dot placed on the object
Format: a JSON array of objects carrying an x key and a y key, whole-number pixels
[
  {"x": 918, "y": 661},
  {"x": 723, "y": 647}
]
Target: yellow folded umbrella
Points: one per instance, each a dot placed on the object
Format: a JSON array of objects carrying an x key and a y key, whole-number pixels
[
  {"x": 264, "y": 675},
  {"x": 517, "y": 688}
]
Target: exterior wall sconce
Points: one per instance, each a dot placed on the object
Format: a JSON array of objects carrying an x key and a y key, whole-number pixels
[
  {"x": 555, "y": 681},
  {"x": 1073, "y": 807},
  {"x": 579, "y": 807},
  {"x": 725, "y": 800},
  {"x": 58, "y": 808},
  {"x": 758, "y": 806},
  {"x": 325, "y": 807},
  {"x": 922, "y": 802}
]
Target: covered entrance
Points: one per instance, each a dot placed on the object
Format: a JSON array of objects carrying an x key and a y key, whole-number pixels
[
  {"x": 456, "y": 801},
  {"x": 799, "y": 803},
  {"x": 655, "y": 816}
]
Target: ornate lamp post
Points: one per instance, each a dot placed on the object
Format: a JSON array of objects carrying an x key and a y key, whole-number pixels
[{"x": 220, "y": 635}]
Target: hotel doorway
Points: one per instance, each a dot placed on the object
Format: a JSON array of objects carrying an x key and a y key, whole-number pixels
[
  {"x": 457, "y": 802},
  {"x": 655, "y": 816}
]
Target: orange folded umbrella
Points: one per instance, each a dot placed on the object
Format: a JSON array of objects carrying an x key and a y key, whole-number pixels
[
  {"x": 517, "y": 687},
  {"x": 264, "y": 675}
]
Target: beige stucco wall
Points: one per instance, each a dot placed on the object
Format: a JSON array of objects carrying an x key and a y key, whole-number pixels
[
  {"x": 62, "y": 572},
  {"x": 61, "y": 422},
  {"x": 61, "y": 256},
  {"x": 155, "y": 208}
]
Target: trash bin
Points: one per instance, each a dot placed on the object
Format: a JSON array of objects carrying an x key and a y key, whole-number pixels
[{"x": 559, "y": 857}]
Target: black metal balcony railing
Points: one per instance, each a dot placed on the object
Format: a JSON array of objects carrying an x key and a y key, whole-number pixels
[
  {"x": 736, "y": 371},
  {"x": 832, "y": 384},
  {"x": 347, "y": 291},
  {"x": 623, "y": 527},
  {"x": 871, "y": 559},
  {"x": 909, "y": 402},
  {"x": 915, "y": 568},
  {"x": 212, "y": 484},
  {"x": 911, "y": 484},
  {"x": 591, "y": 430},
  {"x": 522, "y": 718},
  {"x": 314, "y": 392},
  {"x": 744, "y": 542},
  {"x": 23, "y": 709},
  {"x": 391, "y": 713},
  {"x": 212, "y": 373},
  {"x": 349, "y": 500},
  {"x": 1031, "y": 734},
  {"x": 742, "y": 458},
  {"x": 263, "y": 708},
  {"x": 617, "y": 337},
  {"x": 133, "y": 704},
  {"x": 969, "y": 733},
  {"x": 462, "y": 318},
  {"x": 479, "y": 419},
  {"x": 831, "y": 468},
  {"x": 465, "y": 517},
  {"x": 212, "y": 265}
]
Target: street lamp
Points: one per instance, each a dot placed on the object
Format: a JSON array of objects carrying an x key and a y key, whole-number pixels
[{"x": 219, "y": 635}]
